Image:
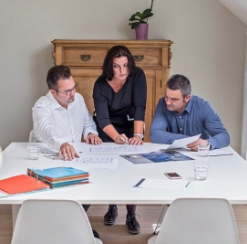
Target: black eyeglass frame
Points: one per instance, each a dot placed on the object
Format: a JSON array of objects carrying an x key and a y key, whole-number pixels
[{"x": 67, "y": 93}]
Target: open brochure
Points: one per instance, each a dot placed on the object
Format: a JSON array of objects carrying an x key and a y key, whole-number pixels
[{"x": 156, "y": 157}]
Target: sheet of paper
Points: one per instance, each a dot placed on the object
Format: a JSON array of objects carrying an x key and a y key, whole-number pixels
[
  {"x": 52, "y": 156},
  {"x": 48, "y": 150},
  {"x": 98, "y": 162},
  {"x": 106, "y": 148},
  {"x": 223, "y": 151},
  {"x": 182, "y": 142},
  {"x": 92, "y": 161},
  {"x": 163, "y": 184}
]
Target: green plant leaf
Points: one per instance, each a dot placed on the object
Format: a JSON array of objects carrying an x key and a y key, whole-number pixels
[
  {"x": 138, "y": 14},
  {"x": 134, "y": 25},
  {"x": 138, "y": 17},
  {"x": 134, "y": 16},
  {"x": 147, "y": 13}
]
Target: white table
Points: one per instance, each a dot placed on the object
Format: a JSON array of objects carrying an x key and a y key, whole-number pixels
[{"x": 227, "y": 178}]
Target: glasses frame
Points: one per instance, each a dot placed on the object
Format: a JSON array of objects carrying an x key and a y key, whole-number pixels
[{"x": 68, "y": 92}]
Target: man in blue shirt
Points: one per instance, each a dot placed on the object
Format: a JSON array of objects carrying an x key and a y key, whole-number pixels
[{"x": 179, "y": 115}]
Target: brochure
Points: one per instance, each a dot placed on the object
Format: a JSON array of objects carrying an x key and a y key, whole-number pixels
[{"x": 156, "y": 157}]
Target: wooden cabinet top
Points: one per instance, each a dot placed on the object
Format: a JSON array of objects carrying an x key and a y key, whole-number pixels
[
  {"x": 92, "y": 52},
  {"x": 139, "y": 42}
]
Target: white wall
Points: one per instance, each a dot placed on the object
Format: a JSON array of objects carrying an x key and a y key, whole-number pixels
[{"x": 209, "y": 48}]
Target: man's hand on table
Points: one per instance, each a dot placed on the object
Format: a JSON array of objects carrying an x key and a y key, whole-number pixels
[
  {"x": 93, "y": 139},
  {"x": 68, "y": 152}
]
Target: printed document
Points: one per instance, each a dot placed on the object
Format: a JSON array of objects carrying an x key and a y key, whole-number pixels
[
  {"x": 111, "y": 148},
  {"x": 182, "y": 142}
]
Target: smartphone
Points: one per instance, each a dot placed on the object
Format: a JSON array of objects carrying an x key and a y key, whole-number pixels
[{"x": 173, "y": 175}]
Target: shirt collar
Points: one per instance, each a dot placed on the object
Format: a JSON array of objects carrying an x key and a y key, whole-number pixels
[
  {"x": 187, "y": 108},
  {"x": 55, "y": 104},
  {"x": 189, "y": 105}
]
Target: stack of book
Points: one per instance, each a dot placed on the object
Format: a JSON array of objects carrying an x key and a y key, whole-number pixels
[{"x": 60, "y": 176}]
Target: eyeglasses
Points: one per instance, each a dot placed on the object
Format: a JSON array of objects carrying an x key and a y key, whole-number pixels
[{"x": 68, "y": 92}]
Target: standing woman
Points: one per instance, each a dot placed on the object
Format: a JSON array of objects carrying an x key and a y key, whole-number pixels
[{"x": 120, "y": 95}]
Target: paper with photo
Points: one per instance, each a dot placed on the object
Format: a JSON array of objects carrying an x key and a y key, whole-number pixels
[{"x": 160, "y": 156}]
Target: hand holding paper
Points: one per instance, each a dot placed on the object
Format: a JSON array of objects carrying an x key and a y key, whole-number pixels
[{"x": 183, "y": 142}]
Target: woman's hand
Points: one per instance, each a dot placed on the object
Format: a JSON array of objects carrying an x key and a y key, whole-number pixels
[
  {"x": 121, "y": 139},
  {"x": 136, "y": 140}
]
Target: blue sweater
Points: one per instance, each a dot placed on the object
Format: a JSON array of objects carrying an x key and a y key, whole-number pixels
[{"x": 198, "y": 118}]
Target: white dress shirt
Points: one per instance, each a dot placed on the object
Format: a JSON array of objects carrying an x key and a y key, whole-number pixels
[{"x": 55, "y": 124}]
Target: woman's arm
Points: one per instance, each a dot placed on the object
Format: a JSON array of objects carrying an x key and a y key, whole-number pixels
[{"x": 115, "y": 136}]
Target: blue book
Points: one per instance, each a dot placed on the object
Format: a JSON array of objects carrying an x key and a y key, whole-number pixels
[{"x": 58, "y": 174}]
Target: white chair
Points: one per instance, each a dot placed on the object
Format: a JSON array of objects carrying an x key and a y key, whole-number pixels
[
  {"x": 31, "y": 136},
  {"x": 1, "y": 157},
  {"x": 198, "y": 221},
  {"x": 53, "y": 221}
]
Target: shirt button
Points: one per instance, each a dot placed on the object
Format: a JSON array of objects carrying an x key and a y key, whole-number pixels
[
  {"x": 180, "y": 117},
  {"x": 181, "y": 129}
]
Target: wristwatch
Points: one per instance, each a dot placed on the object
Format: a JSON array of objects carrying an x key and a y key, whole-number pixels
[{"x": 139, "y": 134}]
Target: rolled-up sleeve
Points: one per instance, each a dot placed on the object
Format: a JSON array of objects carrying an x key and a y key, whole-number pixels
[
  {"x": 219, "y": 136},
  {"x": 140, "y": 95}
]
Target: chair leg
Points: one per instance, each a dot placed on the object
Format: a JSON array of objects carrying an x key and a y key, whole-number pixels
[
  {"x": 15, "y": 210},
  {"x": 158, "y": 226}
]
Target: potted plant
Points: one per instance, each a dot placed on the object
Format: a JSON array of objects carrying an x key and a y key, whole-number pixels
[{"x": 139, "y": 22}]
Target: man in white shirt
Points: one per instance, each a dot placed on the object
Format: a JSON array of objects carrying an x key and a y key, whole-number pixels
[{"x": 61, "y": 117}]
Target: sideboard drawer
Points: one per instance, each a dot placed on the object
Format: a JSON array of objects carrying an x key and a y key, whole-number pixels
[
  {"x": 79, "y": 56},
  {"x": 147, "y": 56}
]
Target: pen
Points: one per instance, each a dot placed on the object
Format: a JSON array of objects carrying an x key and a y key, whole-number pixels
[
  {"x": 187, "y": 184},
  {"x": 139, "y": 183}
]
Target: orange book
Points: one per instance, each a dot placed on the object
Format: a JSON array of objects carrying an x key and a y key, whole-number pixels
[{"x": 22, "y": 184}]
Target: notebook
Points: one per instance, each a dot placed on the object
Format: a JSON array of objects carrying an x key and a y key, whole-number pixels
[
  {"x": 22, "y": 184},
  {"x": 60, "y": 176}
]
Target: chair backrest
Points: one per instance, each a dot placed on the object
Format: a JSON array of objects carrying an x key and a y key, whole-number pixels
[
  {"x": 31, "y": 136},
  {"x": 193, "y": 221},
  {"x": 1, "y": 157},
  {"x": 52, "y": 221}
]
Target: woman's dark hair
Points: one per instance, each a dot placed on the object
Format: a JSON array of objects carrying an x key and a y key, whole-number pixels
[
  {"x": 55, "y": 73},
  {"x": 179, "y": 82},
  {"x": 117, "y": 52}
]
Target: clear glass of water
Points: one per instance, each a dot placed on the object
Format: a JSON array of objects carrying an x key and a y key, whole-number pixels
[
  {"x": 201, "y": 169},
  {"x": 33, "y": 152},
  {"x": 201, "y": 164}
]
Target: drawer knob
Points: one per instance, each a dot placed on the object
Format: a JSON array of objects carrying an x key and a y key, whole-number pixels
[
  {"x": 85, "y": 57},
  {"x": 138, "y": 58}
]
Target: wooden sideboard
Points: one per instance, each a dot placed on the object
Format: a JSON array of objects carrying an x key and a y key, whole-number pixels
[{"x": 85, "y": 59}]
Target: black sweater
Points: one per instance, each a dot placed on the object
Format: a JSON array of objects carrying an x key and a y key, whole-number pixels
[{"x": 130, "y": 100}]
